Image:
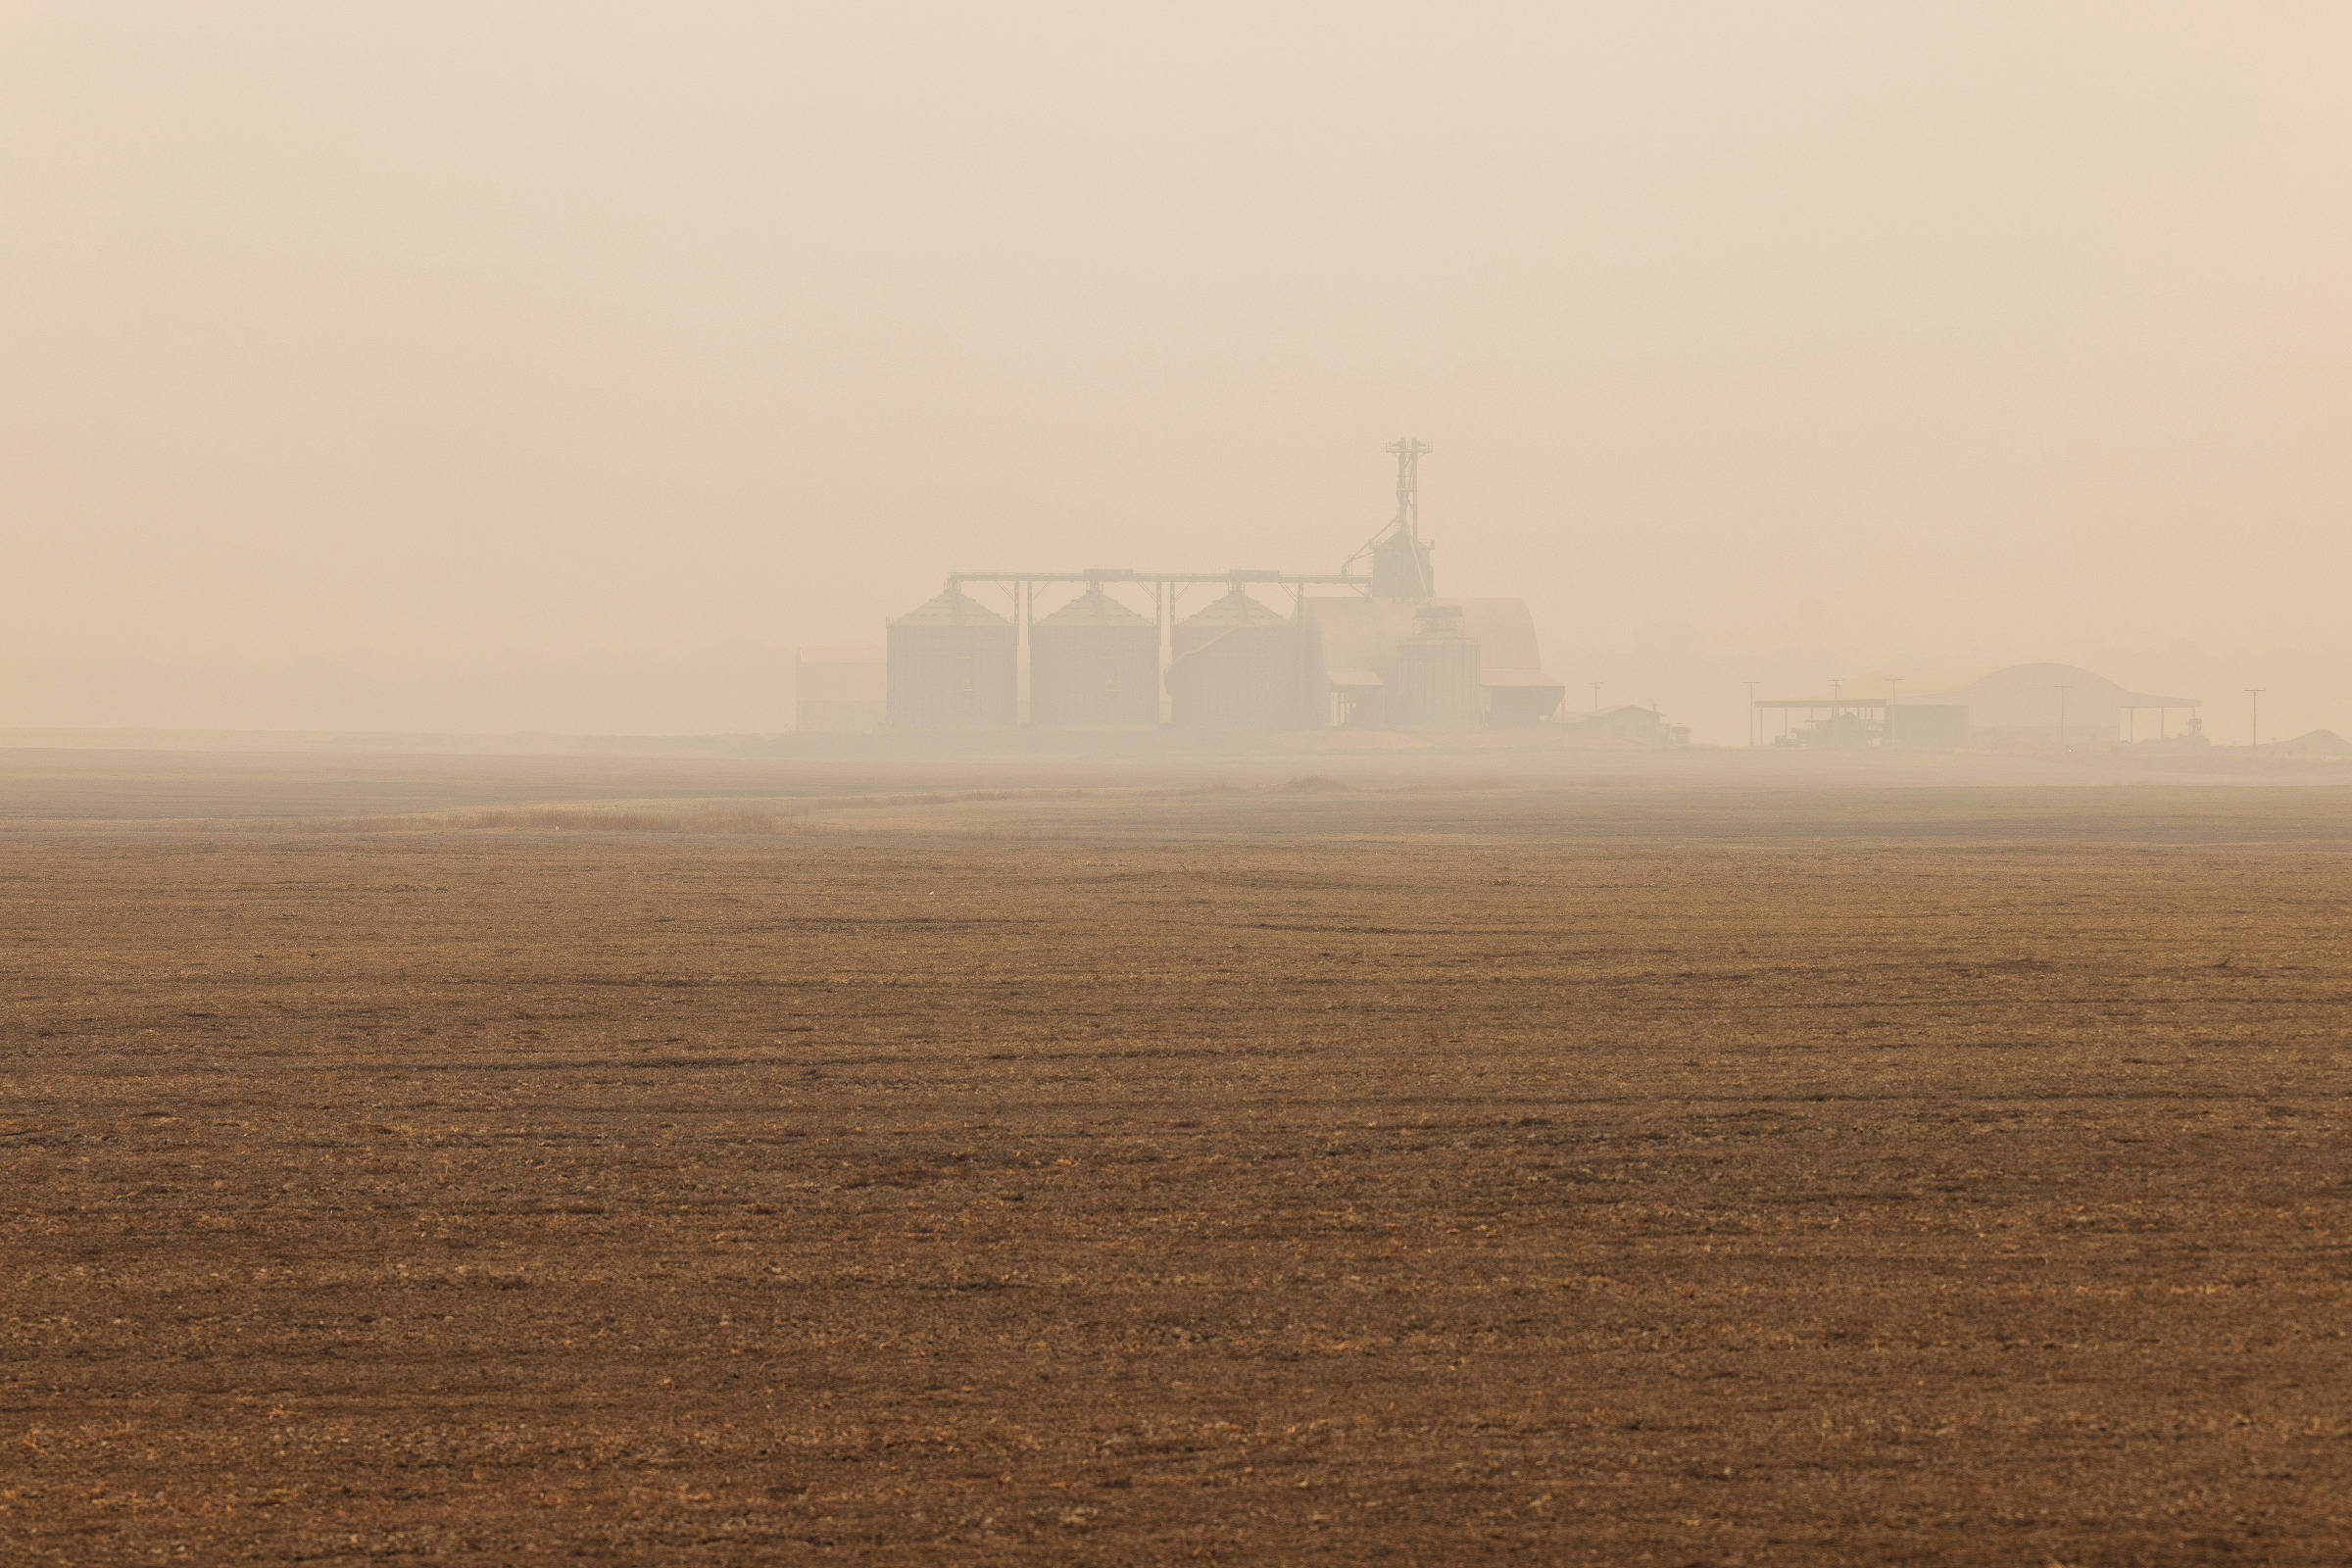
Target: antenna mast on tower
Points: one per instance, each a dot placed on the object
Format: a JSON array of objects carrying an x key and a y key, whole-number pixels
[
  {"x": 1409, "y": 452},
  {"x": 1400, "y": 567}
]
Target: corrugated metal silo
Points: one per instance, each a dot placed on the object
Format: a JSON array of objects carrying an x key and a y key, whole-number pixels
[
  {"x": 1094, "y": 662},
  {"x": 1241, "y": 664},
  {"x": 1437, "y": 672},
  {"x": 953, "y": 661}
]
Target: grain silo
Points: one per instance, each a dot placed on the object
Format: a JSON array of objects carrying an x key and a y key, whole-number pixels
[
  {"x": 1094, "y": 662},
  {"x": 953, "y": 661},
  {"x": 1241, "y": 664},
  {"x": 1437, "y": 672}
]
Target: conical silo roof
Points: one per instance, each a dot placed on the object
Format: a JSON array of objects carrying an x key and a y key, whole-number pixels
[
  {"x": 952, "y": 607},
  {"x": 1095, "y": 607},
  {"x": 1236, "y": 609}
]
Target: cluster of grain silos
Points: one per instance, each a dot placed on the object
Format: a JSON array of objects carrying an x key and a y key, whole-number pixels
[
  {"x": 1237, "y": 662},
  {"x": 1379, "y": 652}
]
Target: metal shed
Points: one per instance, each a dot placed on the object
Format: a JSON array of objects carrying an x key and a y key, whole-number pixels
[
  {"x": 1094, "y": 662},
  {"x": 953, "y": 661}
]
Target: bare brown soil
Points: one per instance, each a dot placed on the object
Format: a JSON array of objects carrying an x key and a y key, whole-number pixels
[{"x": 1303, "y": 1171}]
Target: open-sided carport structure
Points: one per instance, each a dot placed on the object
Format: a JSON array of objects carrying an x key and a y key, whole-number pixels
[{"x": 2034, "y": 705}]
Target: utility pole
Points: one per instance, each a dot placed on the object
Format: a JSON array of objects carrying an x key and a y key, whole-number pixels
[
  {"x": 2254, "y": 730},
  {"x": 1751, "y": 711},
  {"x": 1596, "y": 685},
  {"x": 1892, "y": 682},
  {"x": 2062, "y": 691}
]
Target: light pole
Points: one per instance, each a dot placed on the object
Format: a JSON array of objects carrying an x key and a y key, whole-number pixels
[
  {"x": 1596, "y": 685},
  {"x": 2254, "y": 729},
  {"x": 1751, "y": 711}
]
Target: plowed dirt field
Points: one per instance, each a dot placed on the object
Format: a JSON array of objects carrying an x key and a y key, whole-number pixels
[{"x": 1276, "y": 1172}]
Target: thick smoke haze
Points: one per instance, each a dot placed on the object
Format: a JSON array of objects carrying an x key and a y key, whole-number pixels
[{"x": 1840, "y": 339}]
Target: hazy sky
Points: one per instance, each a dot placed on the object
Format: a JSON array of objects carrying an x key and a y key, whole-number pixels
[{"x": 473, "y": 330}]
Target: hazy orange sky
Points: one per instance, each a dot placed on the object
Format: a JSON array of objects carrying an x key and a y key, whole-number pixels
[{"x": 476, "y": 331}]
